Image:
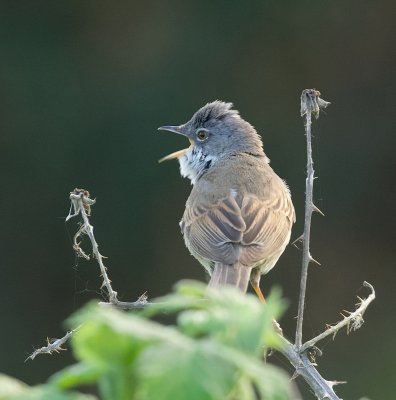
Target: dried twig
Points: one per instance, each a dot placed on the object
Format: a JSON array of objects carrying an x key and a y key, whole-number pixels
[
  {"x": 140, "y": 303},
  {"x": 53, "y": 345},
  {"x": 299, "y": 355},
  {"x": 311, "y": 103},
  {"x": 323, "y": 389},
  {"x": 81, "y": 203},
  {"x": 303, "y": 363},
  {"x": 353, "y": 321}
]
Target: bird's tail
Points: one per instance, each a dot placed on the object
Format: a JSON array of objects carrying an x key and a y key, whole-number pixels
[{"x": 234, "y": 275}]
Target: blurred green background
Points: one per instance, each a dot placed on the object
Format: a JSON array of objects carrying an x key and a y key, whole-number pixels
[{"x": 84, "y": 86}]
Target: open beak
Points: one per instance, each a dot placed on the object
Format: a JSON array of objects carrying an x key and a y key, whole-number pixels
[{"x": 177, "y": 154}]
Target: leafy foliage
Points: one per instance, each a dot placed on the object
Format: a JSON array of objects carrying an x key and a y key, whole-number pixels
[{"x": 212, "y": 352}]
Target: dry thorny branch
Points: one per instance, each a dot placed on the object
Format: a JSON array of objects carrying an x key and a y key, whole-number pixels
[
  {"x": 311, "y": 103},
  {"x": 81, "y": 204},
  {"x": 300, "y": 355},
  {"x": 53, "y": 345}
]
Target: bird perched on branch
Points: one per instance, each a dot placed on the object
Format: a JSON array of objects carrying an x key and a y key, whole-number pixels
[{"x": 239, "y": 215}]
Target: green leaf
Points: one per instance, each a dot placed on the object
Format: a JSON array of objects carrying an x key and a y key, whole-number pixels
[
  {"x": 75, "y": 375},
  {"x": 110, "y": 341},
  {"x": 10, "y": 386},
  {"x": 187, "y": 295},
  {"x": 101, "y": 347},
  {"x": 142, "y": 330},
  {"x": 233, "y": 319},
  {"x": 167, "y": 373},
  {"x": 270, "y": 382},
  {"x": 213, "y": 353},
  {"x": 47, "y": 392}
]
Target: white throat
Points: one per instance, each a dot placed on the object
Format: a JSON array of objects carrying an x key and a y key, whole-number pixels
[{"x": 194, "y": 163}]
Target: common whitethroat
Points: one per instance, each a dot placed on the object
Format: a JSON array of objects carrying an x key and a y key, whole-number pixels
[{"x": 239, "y": 215}]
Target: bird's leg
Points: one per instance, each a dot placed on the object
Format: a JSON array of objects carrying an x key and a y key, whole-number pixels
[{"x": 255, "y": 282}]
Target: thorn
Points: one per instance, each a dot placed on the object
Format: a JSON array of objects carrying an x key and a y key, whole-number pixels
[
  {"x": 295, "y": 375},
  {"x": 346, "y": 311},
  {"x": 348, "y": 328},
  {"x": 314, "y": 261},
  {"x": 299, "y": 239},
  {"x": 143, "y": 298},
  {"x": 317, "y": 210},
  {"x": 334, "y": 383}
]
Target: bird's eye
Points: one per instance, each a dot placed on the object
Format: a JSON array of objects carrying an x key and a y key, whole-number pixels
[{"x": 202, "y": 135}]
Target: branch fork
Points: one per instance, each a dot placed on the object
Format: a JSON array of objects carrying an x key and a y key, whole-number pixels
[
  {"x": 302, "y": 355},
  {"x": 352, "y": 321}
]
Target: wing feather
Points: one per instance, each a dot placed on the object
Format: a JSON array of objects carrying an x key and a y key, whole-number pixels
[
  {"x": 212, "y": 232},
  {"x": 246, "y": 230}
]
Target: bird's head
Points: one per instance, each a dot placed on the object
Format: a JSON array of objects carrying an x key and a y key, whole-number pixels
[{"x": 214, "y": 131}]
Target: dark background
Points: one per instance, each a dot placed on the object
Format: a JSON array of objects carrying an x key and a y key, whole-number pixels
[{"x": 84, "y": 86}]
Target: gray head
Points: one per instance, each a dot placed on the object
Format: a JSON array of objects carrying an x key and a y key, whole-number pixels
[{"x": 214, "y": 131}]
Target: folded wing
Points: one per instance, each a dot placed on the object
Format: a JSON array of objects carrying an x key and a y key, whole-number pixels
[{"x": 245, "y": 230}]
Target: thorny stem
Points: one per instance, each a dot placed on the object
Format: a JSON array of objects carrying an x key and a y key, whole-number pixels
[
  {"x": 53, "y": 345},
  {"x": 307, "y": 232},
  {"x": 322, "y": 388},
  {"x": 353, "y": 321},
  {"x": 299, "y": 358},
  {"x": 81, "y": 204},
  {"x": 80, "y": 197},
  {"x": 310, "y": 104}
]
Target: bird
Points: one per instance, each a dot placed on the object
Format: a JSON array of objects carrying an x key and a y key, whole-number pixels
[{"x": 239, "y": 215}]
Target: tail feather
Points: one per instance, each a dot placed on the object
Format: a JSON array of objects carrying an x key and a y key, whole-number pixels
[{"x": 237, "y": 275}]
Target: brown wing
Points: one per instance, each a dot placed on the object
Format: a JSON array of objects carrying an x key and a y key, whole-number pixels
[
  {"x": 211, "y": 232},
  {"x": 268, "y": 227},
  {"x": 248, "y": 230}
]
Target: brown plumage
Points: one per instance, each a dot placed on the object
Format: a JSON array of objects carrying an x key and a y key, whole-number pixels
[{"x": 239, "y": 215}]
